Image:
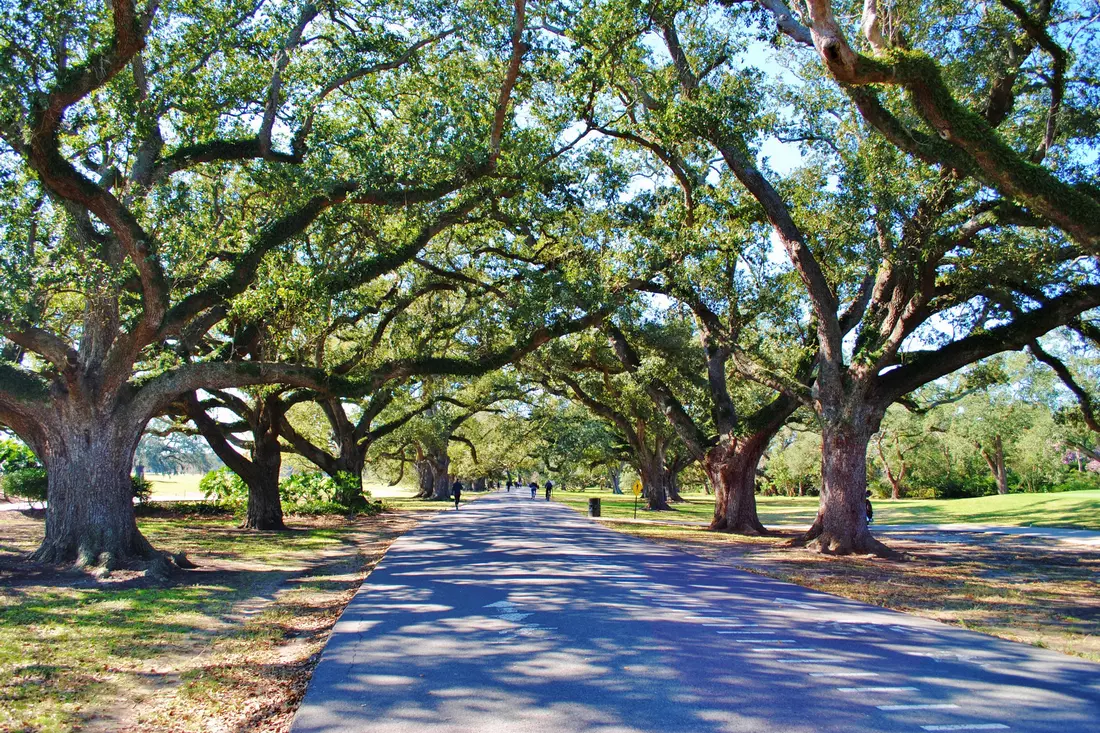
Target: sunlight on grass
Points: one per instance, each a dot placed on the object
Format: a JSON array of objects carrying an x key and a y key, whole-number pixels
[
  {"x": 1079, "y": 509},
  {"x": 180, "y": 486},
  {"x": 61, "y": 648}
]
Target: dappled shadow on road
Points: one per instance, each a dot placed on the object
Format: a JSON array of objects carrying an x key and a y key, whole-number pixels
[
  {"x": 515, "y": 618},
  {"x": 1035, "y": 589}
]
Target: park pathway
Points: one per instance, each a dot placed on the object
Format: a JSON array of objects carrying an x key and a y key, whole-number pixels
[{"x": 513, "y": 615}]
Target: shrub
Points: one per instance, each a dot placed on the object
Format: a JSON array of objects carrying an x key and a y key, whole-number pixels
[
  {"x": 224, "y": 488},
  {"x": 142, "y": 487},
  {"x": 319, "y": 493},
  {"x": 178, "y": 508},
  {"x": 25, "y": 483},
  {"x": 15, "y": 456},
  {"x": 301, "y": 493},
  {"x": 1078, "y": 481},
  {"x": 303, "y": 488},
  {"x": 24, "y": 477}
]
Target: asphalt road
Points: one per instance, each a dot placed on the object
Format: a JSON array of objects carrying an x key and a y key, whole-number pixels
[{"x": 515, "y": 616}]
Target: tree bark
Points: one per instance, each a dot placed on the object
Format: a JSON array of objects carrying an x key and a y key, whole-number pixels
[
  {"x": 425, "y": 478},
  {"x": 841, "y": 527},
  {"x": 615, "y": 474},
  {"x": 1002, "y": 471},
  {"x": 349, "y": 476},
  {"x": 260, "y": 471},
  {"x": 90, "y": 510},
  {"x": 730, "y": 467},
  {"x": 996, "y": 463},
  {"x": 674, "y": 488},
  {"x": 655, "y": 480},
  {"x": 440, "y": 464},
  {"x": 894, "y": 479},
  {"x": 265, "y": 508}
]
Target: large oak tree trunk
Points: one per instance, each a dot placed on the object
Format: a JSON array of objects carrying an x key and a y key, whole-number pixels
[
  {"x": 425, "y": 479},
  {"x": 655, "y": 481},
  {"x": 441, "y": 478},
  {"x": 349, "y": 477},
  {"x": 731, "y": 468},
  {"x": 841, "y": 526},
  {"x": 90, "y": 510},
  {"x": 265, "y": 508}
]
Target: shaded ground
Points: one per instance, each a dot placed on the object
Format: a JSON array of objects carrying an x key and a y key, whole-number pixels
[
  {"x": 1019, "y": 588},
  {"x": 228, "y": 646}
]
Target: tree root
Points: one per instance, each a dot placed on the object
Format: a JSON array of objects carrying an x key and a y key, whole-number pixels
[
  {"x": 749, "y": 529},
  {"x": 102, "y": 563},
  {"x": 868, "y": 546},
  {"x": 812, "y": 533}
]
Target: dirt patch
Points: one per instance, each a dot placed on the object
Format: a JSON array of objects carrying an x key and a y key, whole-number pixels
[
  {"x": 229, "y": 646},
  {"x": 1025, "y": 589}
]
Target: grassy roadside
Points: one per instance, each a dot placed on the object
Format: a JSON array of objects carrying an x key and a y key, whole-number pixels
[
  {"x": 396, "y": 498},
  {"x": 1080, "y": 509},
  {"x": 1016, "y": 588},
  {"x": 228, "y": 646}
]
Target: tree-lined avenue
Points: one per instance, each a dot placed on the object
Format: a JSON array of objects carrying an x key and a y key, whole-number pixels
[{"x": 519, "y": 615}]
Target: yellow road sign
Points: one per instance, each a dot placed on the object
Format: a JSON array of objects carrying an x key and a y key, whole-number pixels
[{"x": 638, "y": 488}]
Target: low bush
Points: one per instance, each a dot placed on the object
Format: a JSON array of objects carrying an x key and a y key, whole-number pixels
[
  {"x": 24, "y": 477},
  {"x": 301, "y": 493},
  {"x": 1078, "y": 481},
  {"x": 319, "y": 493},
  {"x": 28, "y": 484},
  {"x": 304, "y": 488},
  {"x": 225, "y": 488},
  {"x": 183, "y": 508},
  {"x": 142, "y": 487}
]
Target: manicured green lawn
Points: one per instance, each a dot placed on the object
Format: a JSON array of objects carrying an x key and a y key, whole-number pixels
[
  {"x": 184, "y": 485},
  {"x": 1079, "y": 509},
  {"x": 397, "y": 498}
]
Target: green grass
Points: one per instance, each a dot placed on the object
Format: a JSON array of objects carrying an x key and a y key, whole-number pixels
[
  {"x": 403, "y": 499},
  {"x": 184, "y": 485},
  {"x": 396, "y": 498},
  {"x": 65, "y": 644},
  {"x": 1080, "y": 509}
]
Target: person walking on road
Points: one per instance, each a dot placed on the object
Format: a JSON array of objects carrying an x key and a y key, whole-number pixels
[
  {"x": 456, "y": 492},
  {"x": 509, "y": 485},
  {"x": 549, "y": 489},
  {"x": 534, "y": 489}
]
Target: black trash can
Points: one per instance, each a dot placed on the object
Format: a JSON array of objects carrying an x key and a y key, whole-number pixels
[{"x": 594, "y": 507}]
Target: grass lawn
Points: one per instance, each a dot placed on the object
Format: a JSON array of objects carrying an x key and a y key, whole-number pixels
[
  {"x": 1079, "y": 509},
  {"x": 228, "y": 646},
  {"x": 180, "y": 486},
  {"x": 403, "y": 498},
  {"x": 1017, "y": 588},
  {"x": 396, "y": 498}
]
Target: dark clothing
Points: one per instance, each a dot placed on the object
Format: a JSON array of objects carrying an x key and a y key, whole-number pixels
[
  {"x": 870, "y": 512},
  {"x": 534, "y": 489},
  {"x": 509, "y": 484},
  {"x": 549, "y": 489},
  {"x": 456, "y": 492}
]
